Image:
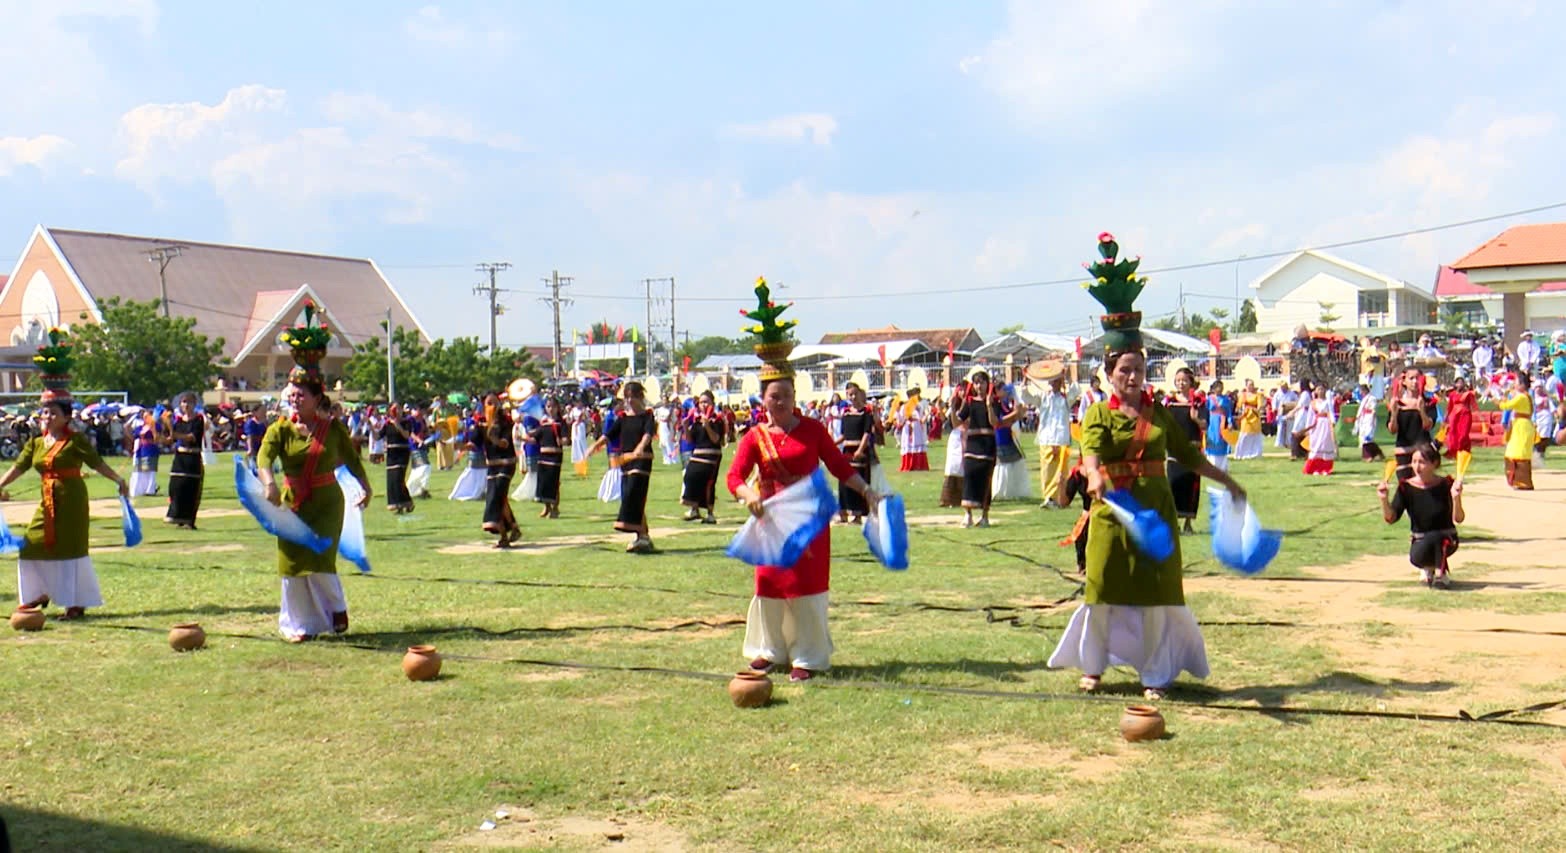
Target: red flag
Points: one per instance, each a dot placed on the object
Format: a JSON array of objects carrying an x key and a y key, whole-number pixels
[
  {"x": 589, "y": 335},
  {"x": 1079, "y": 347},
  {"x": 619, "y": 334},
  {"x": 951, "y": 349},
  {"x": 1214, "y": 336},
  {"x": 881, "y": 351},
  {"x": 686, "y": 367}
]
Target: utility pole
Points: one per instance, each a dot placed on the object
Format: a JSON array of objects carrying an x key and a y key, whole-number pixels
[
  {"x": 555, "y": 282},
  {"x": 391, "y": 373},
  {"x": 655, "y": 298},
  {"x": 495, "y": 308},
  {"x": 1182, "y": 307},
  {"x": 162, "y": 255}
]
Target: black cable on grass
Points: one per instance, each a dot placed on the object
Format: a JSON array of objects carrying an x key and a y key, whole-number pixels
[{"x": 1502, "y": 717}]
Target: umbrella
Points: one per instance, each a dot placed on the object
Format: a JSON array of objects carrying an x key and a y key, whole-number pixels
[{"x": 131, "y": 411}]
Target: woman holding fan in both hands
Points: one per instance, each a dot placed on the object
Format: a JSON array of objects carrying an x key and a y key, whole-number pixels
[
  {"x": 54, "y": 563},
  {"x": 1134, "y": 609},
  {"x": 978, "y": 411},
  {"x": 309, "y": 447},
  {"x": 786, "y": 625}
]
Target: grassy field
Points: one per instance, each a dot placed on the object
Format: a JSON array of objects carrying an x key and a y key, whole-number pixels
[{"x": 583, "y": 695}]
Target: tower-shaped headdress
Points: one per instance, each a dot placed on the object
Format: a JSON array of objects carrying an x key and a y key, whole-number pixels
[
  {"x": 308, "y": 344},
  {"x": 54, "y": 361},
  {"x": 1116, "y": 286},
  {"x": 774, "y": 346}
]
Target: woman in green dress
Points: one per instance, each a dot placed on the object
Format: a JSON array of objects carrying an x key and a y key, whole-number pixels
[
  {"x": 1134, "y": 611},
  {"x": 54, "y": 564},
  {"x": 309, "y": 447}
]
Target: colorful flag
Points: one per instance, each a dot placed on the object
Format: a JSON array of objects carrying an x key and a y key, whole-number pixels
[
  {"x": 881, "y": 351},
  {"x": 1079, "y": 347},
  {"x": 589, "y": 335},
  {"x": 686, "y": 366},
  {"x": 636, "y": 336},
  {"x": 619, "y": 334}
]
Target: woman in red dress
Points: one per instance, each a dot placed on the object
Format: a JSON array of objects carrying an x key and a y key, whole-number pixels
[
  {"x": 1460, "y": 405},
  {"x": 786, "y": 625}
]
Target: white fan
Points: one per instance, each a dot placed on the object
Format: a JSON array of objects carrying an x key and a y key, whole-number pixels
[{"x": 789, "y": 522}]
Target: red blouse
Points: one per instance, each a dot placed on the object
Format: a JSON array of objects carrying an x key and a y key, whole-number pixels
[{"x": 799, "y": 452}]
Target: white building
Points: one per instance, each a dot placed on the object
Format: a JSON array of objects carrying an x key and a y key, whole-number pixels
[{"x": 1308, "y": 285}]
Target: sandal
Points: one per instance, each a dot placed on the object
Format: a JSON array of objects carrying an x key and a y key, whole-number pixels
[
  {"x": 1153, "y": 694},
  {"x": 340, "y": 622},
  {"x": 74, "y": 613},
  {"x": 1089, "y": 683}
]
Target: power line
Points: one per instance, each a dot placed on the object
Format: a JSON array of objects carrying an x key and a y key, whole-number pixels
[
  {"x": 495, "y": 308},
  {"x": 1077, "y": 279},
  {"x": 162, "y": 255},
  {"x": 555, "y": 282}
]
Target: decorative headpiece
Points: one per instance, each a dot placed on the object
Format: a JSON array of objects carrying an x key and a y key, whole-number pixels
[
  {"x": 54, "y": 361},
  {"x": 775, "y": 345},
  {"x": 308, "y": 342},
  {"x": 1116, "y": 287}
]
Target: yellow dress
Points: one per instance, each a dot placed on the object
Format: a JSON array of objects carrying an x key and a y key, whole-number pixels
[{"x": 1520, "y": 436}]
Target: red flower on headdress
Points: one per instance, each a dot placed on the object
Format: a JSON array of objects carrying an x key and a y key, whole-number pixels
[{"x": 1105, "y": 237}]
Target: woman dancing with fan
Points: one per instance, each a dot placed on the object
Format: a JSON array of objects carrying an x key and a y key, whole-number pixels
[
  {"x": 860, "y": 431},
  {"x": 186, "y": 472},
  {"x": 977, "y": 411},
  {"x": 786, "y": 625},
  {"x": 53, "y": 564},
  {"x": 706, "y": 430},
  {"x": 550, "y": 439},
  {"x": 396, "y": 435},
  {"x": 308, "y": 447},
  {"x": 1134, "y": 611},
  {"x": 500, "y": 458}
]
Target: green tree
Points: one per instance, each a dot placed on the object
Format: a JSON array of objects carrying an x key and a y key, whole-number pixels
[
  {"x": 1327, "y": 316},
  {"x": 423, "y": 372},
  {"x": 1196, "y": 325},
  {"x": 710, "y": 345},
  {"x": 139, "y": 351},
  {"x": 1246, "y": 323},
  {"x": 1007, "y": 330}
]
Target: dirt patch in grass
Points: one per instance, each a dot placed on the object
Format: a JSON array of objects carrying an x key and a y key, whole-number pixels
[
  {"x": 1018, "y": 755},
  {"x": 520, "y": 830}
]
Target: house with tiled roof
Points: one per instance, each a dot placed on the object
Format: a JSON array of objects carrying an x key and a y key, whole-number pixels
[
  {"x": 1306, "y": 285},
  {"x": 1517, "y": 279},
  {"x": 243, "y": 295},
  {"x": 940, "y": 340}
]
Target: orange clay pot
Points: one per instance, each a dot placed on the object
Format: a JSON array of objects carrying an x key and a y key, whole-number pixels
[
  {"x": 421, "y": 663},
  {"x": 1141, "y": 722},
  {"x": 27, "y": 618},
  {"x": 187, "y": 637},
  {"x": 750, "y": 689}
]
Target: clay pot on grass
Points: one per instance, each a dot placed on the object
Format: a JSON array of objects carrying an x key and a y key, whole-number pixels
[
  {"x": 28, "y": 618},
  {"x": 750, "y": 689},
  {"x": 187, "y": 637},
  {"x": 421, "y": 663},
  {"x": 1141, "y": 722}
]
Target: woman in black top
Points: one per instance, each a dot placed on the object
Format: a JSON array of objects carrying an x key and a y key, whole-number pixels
[
  {"x": 187, "y": 473},
  {"x": 1434, "y": 505},
  {"x": 705, "y": 430},
  {"x": 395, "y": 433},
  {"x": 978, "y": 412},
  {"x": 500, "y": 460},
  {"x": 550, "y": 438},
  {"x": 861, "y": 430},
  {"x": 1190, "y": 412},
  {"x": 1408, "y": 420},
  {"x": 634, "y": 431}
]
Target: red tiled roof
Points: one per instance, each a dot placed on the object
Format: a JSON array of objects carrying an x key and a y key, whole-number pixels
[
  {"x": 935, "y": 339},
  {"x": 1450, "y": 282},
  {"x": 1519, "y": 246}
]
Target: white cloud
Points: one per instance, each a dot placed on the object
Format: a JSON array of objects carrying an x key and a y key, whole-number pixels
[
  {"x": 430, "y": 26},
  {"x": 172, "y": 141},
  {"x": 346, "y": 108},
  {"x": 57, "y": 76},
  {"x": 36, "y": 151},
  {"x": 1060, "y": 61},
  {"x": 817, "y": 128}
]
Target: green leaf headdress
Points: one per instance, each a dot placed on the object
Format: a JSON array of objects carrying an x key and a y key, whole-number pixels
[
  {"x": 308, "y": 343},
  {"x": 775, "y": 345},
  {"x": 54, "y": 362},
  {"x": 1116, "y": 286}
]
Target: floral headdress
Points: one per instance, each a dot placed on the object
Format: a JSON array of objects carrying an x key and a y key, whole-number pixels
[
  {"x": 1116, "y": 286},
  {"x": 775, "y": 345},
  {"x": 54, "y": 362},
  {"x": 308, "y": 343}
]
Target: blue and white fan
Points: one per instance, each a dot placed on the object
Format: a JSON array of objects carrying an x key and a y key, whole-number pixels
[{"x": 789, "y": 522}]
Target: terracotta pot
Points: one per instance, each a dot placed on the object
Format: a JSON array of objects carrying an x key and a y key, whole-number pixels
[
  {"x": 27, "y": 618},
  {"x": 774, "y": 352},
  {"x": 750, "y": 689},
  {"x": 187, "y": 636},
  {"x": 421, "y": 663},
  {"x": 1141, "y": 722}
]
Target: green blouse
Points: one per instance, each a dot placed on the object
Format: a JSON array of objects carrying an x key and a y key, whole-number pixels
[
  {"x": 58, "y": 530},
  {"x": 323, "y": 507},
  {"x": 1116, "y": 572}
]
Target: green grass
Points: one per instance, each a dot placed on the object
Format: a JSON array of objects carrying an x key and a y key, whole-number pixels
[{"x": 587, "y": 682}]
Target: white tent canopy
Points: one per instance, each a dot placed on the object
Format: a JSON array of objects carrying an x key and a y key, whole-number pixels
[
  {"x": 1026, "y": 346},
  {"x": 858, "y": 353},
  {"x": 1158, "y": 341}
]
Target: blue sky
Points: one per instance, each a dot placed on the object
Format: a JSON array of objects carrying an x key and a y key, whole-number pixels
[{"x": 907, "y": 151}]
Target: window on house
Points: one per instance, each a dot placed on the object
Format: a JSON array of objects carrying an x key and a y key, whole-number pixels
[{"x": 1373, "y": 302}]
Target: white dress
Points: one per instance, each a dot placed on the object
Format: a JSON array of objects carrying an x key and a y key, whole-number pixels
[{"x": 1158, "y": 642}]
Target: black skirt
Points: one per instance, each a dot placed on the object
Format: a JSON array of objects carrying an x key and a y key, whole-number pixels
[
  {"x": 497, "y": 498},
  {"x": 700, "y": 487},
  {"x": 186, "y": 475},
  {"x": 977, "y": 472},
  {"x": 548, "y": 482},
  {"x": 851, "y": 501},
  {"x": 633, "y": 495},
  {"x": 1187, "y": 488},
  {"x": 397, "y": 478}
]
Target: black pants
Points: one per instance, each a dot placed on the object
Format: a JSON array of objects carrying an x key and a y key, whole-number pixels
[{"x": 1430, "y": 550}]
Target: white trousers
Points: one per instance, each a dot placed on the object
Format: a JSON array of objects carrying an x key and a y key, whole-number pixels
[
  {"x": 309, "y": 602},
  {"x": 1158, "y": 642},
  {"x": 68, "y": 583},
  {"x": 143, "y": 483},
  {"x": 418, "y": 480},
  {"x": 790, "y": 631}
]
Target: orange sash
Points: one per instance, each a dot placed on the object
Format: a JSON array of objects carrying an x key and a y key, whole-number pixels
[
  {"x": 50, "y": 477},
  {"x": 773, "y": 459},
  {"x": 308, "y": 481}
]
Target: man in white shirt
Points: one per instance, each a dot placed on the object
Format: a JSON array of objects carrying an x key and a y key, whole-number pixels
[
  {"x": 1527, "y": 354},
  {"x": 1484, "y": 358},
  {"x": 1054, "y": 442}
]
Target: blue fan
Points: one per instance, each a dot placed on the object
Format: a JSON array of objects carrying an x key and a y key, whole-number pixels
[
  {"x": 886, "y": 531},
  {"x": 350, "y": 544},
  {"x": 276, "y": 520},
  {"x": 789, "y": 522},
  {"x": 1239, "y": 542},
  {"x": 532, "y": 407},
  {"x": 1149, "y": 532},
  {"x": 9, "y": 544},
  {"x": 129, "y": 522}
]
